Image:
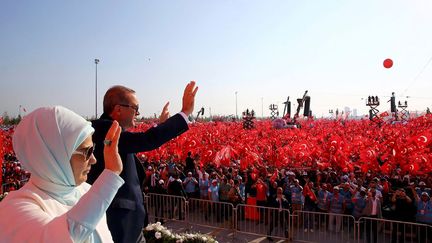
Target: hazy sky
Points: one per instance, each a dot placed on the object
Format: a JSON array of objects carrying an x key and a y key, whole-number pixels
[{"x": 264, "y": 49}]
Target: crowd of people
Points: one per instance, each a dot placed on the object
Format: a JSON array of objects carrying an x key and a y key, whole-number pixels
[
  {"x": 399, "y": 196},
  {"x": 13, "y": 176},
  {"x": 402, "y": 196}
]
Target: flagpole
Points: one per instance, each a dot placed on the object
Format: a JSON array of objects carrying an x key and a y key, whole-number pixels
[{"x": 96, "y": 113}]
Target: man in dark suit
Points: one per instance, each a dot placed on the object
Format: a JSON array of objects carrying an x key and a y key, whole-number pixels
[
  {"x": 372, "y": 210},
  {"x": 190, "y": 164},
  {"x": 280, "y": 215},
  {"x": 126, "y": 215}
]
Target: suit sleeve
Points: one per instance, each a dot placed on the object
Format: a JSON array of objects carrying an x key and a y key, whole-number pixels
[{"x": 154, "y": 137}]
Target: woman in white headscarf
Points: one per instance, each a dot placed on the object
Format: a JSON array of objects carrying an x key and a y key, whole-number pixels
[{"x": 57, "y": 205}]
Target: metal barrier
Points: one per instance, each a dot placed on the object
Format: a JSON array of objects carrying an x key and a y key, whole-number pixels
[
  {"x": 263, "y": 221},
  {"x": 383, "y": 230},
  {"x": 211, "y": 214},
  {"x": 304, "y": 226},
  {"x": 310, "y": 226},
  {"x": 162, "y": 207}
]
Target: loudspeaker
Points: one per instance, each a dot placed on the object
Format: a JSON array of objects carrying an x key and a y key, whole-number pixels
[
  {"x": 289, "y": 108},
  {"x": 306, "y": 106},
  {"x": 393, "y": 104}
]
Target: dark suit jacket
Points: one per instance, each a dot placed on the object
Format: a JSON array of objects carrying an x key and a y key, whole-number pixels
[
  {"x": 273, "y": 203},
  {"x": 176, "y": 188},
  {"x": 367, "y": 211},
  {"x": 126, "y": 215},
  {"x": 274, "y": 215}
]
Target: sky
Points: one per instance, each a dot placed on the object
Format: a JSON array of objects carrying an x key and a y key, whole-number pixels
[{"x": 244, "y": 53}]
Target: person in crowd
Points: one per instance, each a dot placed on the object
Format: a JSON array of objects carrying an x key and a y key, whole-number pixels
[
  {"x": 154, "y": 178},
  {"x": 261, "y": 198},
  {"x": 57, "y": 205},
  {"x": 213, "y": 191},
  {"x": 163, "y": 172},
  {"x": 190, "y": 184},
  {"x": 336, "y": 207},
  {"x": 234, "y": 194},
  {"x": 147, "y": 178},
  {"x": 272, "y": 191},
  {"x": 323, "y": 198},
  {"x": 359, "y": 201},
  {"x": 296, "y": 196},
  {"x": 347, "y": 194},
  {"x": 386, "y": 186},
  {"x": 172, "y": 166},
  {"x": 224, "y": 189},
  {"x": 215, "y": 176},
  {"x": 204, "y": 184},
  {"x": 403, "y": 206},
  {"x": 334, "y": 180},
  {"x": 235, "y": 175},
  {"x": 422, "y": 188},
  {"x": 242, "y": 188},
  {"x": 126, "y": 215},
  {"x": 310, "y": 204},
  {"x": 160, "y": 204},
  {"x": 424, "y": 208},
  {"x": 151, "y": 179},
  {"x": 374, "y": 185},
  {"x": 250, "y": 188},
  {"x": 423, "y": 215},
  {"x": 190, "y": 164},
  {"x": 396, "y": 181},
  {"x": 213, "y": 194},
  {"x": 281, "y": 216},
  {"x": 304, "y": 178},
  {"x": 175, "y": 188},
  {"x": 201, "y": 171},
  {"x": 372, "y": 210}
]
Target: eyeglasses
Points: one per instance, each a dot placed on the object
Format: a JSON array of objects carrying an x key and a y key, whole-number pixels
[
  {"x": 134, "y": 107},
  {"x": 87, "y": 153}
]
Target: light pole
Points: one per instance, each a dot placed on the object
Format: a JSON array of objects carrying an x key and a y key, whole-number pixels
[
  {"x": 262, "y": 107},
  {"x": 236, "y": 104},
  {"x": 96, "y": 62}
]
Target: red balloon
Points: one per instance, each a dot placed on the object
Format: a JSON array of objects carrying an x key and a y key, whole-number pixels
[{"x": 388, "y": 63}]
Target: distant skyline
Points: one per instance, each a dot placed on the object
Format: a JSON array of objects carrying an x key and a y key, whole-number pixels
[{"x": 263, "y": 50}]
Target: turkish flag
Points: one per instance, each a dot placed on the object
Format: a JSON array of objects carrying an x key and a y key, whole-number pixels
[{"x": 423, "y": 140}]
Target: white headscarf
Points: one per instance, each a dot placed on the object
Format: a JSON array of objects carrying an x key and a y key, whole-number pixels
[{"x": 44, "y": 142}]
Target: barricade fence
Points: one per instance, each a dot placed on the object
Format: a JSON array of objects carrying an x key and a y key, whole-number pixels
[
  {"x": 299, "y": 226},
  {"x": 211, "y": 214},
  {"x": 162, "y": 207},
  {"x": 263, "y": 221},
  {"x": 311, "y": 226},
  {"x": 383, "y": 230}
]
